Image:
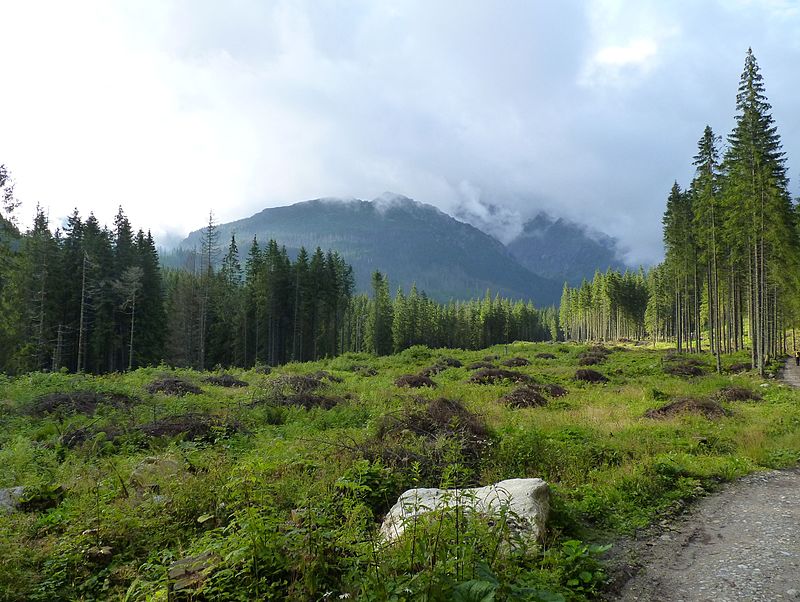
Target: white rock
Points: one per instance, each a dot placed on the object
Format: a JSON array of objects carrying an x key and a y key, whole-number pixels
[
  {"x": 9, "y": 498},
  {"x": 527, "y": 500},
  {"x": 153, "y": 470}
]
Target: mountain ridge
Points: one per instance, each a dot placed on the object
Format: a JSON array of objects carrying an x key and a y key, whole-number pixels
[{"x": 410, "y": 241}]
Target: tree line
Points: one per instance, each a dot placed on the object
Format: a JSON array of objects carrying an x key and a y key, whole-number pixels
[
  {"x": 382, "y": 325},
  {"x": 83, "y": 298},
  {"x": 729, "y": 280},
  {"x": 87, "y": 298},
  {"x": 610, "y": 307},
  {"x": 731, "y": 237}
]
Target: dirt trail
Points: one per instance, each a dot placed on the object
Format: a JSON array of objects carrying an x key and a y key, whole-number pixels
[
  {"x": 741, "y": 544},
  {"x": 791, "y": 374}
]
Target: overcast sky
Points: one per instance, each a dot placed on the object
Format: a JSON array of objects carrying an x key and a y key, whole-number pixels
[{"x": 588, "y": 110}]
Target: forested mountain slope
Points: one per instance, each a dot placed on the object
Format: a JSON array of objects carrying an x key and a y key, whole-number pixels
[{"x": 410, "y": 241}]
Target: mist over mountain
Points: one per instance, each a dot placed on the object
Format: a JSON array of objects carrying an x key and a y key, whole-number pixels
[
  {"x": 410, "y": 241},
  {"x": 414, "y": 242},
  {"x": 560, "y": 249}
]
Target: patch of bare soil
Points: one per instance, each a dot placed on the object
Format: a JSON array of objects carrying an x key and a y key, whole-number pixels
[
  {"x": 225, "y": 380},
  {"x": 487, "y": 376},
  {"x": 479, "y": 365},
  {"x": 591, "y": 359},
  {"x": 449, "y": 362},
  {"x": 194, "y": 426},
  {"x": 173, "y": 385},
  {"x": 590, "y": 376},
  {"x": 684, "y": 368},
  {"x": 551, "y": 389},
  {"x": 524, "y": 397},
  {"x": 739, "y": 367},
  {"x": 77, "y": 402},
  {"x": 709, "y": 408},
  {"x": 414, "y": 381},
  {"x": 738, "y": 394},
  {"x": 516, "y": 362},
  {"x": 321, "y": 375},
  {"x": 435, "y": 418}
]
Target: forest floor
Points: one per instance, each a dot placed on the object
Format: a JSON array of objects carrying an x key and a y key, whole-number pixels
[{"x": 742, "y": 543}]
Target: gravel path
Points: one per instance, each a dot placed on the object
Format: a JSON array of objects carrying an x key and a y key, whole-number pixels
[
  {"x": 791, "y": 374},
  {"x": 741, "y": 544}
]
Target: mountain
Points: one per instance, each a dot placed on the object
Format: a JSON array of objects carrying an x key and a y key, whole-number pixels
[
  {"x": 562, "y": 250},
  {"x": 408, "y": 240}
]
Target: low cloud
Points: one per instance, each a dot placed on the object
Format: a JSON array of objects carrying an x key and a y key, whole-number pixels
[{"x": 585, "y": 110}]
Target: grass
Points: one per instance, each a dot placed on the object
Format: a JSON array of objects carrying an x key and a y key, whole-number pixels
[{"x": 287, "y": 503}]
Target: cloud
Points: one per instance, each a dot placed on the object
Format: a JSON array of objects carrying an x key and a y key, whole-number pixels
[
  {"x": 586, "y": 110},
  {"x": 611, "y": 63}
]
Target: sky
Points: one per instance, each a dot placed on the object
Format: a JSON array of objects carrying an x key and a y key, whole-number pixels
[{"x": 173, "y": 108}]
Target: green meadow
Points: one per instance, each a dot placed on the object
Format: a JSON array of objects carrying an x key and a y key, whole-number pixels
[{"x": 275, "y": 489}]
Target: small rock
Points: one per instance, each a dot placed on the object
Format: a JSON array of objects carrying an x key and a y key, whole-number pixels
[
  {"x": 9, "y": 499},
  {"x": 153, "y": 470},
  {"x": 189, "y": 573}
]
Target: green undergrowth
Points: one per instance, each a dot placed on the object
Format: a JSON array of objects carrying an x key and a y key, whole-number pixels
[{"x": 280, "y": 494}]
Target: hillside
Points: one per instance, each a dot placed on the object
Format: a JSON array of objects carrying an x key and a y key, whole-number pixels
[
  {"x": 562, "y": 250},
  {"x": 408, "y": 240}
]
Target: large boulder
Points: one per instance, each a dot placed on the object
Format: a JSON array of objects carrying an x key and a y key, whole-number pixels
[{"x": 527, "y": 501}]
